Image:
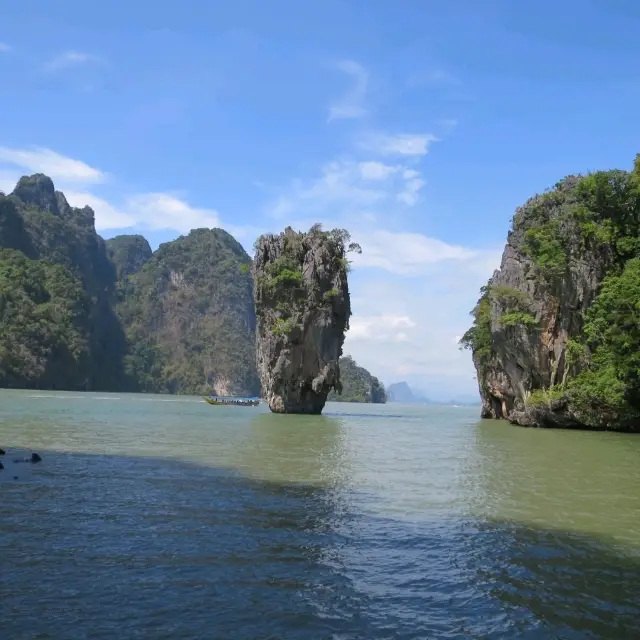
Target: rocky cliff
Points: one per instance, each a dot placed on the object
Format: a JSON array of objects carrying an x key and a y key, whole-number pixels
[
  {"x": 303, "y": 310},
  {"x": 128, "y": 253},
  {"x": 57, "y": 324},
  {"x": 556, "y": 331},
  {"x": 358, "y": 385},
  {"x": 81, "y": 314},
  {"x": 188, "y": 314}
]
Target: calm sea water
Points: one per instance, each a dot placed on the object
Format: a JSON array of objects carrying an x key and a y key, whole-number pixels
[{"x": 156, "y": 517}]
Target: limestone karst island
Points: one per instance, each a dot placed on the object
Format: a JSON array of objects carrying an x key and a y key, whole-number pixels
[
  {"x": 555, "y": 336},
  {"x": 303, "y": 310}
]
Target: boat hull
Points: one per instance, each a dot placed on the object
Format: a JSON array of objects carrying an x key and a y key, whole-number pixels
[{"x": 232, "y": 403}]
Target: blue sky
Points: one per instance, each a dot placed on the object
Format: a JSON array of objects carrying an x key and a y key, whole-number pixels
[{"x": 420, "y": 126}]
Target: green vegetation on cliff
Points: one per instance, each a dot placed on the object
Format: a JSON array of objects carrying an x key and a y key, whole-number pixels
[
  {"x": 188, "y": 316},
  {"x": 283, "y": 281},
  {"x": 67, "y": 298},
  {"x": 358, "y": 385},
  {"x": 57, "y": 285},
  {"x": 44, "y": 337},
  {"x": 582, "y": 240}
]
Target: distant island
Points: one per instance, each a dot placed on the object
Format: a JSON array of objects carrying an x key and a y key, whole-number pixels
[
  {"x": 81, "y": 313},
  {"x": 402, "y": 392}
]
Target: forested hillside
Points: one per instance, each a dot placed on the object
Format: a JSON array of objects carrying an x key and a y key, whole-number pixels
[
  {"x": 188, "y": 314},
  {"x": 358, "y": 385}
]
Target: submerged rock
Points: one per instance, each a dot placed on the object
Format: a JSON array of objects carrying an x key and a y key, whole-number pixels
[
  {"x": 34, "y": 459},
  {"x": 303, "y": 310}
]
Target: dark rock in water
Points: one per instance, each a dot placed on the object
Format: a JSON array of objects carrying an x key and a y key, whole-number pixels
[
  {"x": 303, "y": 309},
  {"x": 2, "y": 452},
  {"x": 35, "y": 458},
  {"x": 1, "y": 466}
]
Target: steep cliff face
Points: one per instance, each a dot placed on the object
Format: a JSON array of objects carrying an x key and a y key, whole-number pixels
[
  {"x": 188, "y": 314},
  {"x": 128, "y": 253},
  {"x": 57, "y": 325},
  {"x": 303, "y": 310},
  {"x": 546, "y": 338}
]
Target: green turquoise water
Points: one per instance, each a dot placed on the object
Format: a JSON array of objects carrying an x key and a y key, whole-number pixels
[{"x": 158, "y": 517}]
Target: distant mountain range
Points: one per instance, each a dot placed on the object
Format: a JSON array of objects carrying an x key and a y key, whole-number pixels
[{"x": 402, "y": 392}]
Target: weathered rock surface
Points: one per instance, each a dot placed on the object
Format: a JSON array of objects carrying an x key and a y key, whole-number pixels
[
  {"x": 532, "y": 312},
  {"x": 303, "y": 310}
]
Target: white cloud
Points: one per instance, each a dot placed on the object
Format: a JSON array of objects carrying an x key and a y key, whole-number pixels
[
  {"x": 56, "y": 166},
  {"x": 411, "y": 293},
  {"x": 349, "y": 187},
  {"x": 71, "y": 58},
  {"x": 4, "y": 47},
  {"x": 145, "y": 210},
  {"x": 106, "y": 215},
  {"x": 411, "y": 192},
  {"x": 164, "y": 211},
  {"x": 382, "y": 328},
  {"x": 408, "y": 328},
  {"x": 401, "y": 144},
  {"x": 372, "y": 170},
  {"x": 408, "y": 254},
  {"x": 351, "y": 103}
]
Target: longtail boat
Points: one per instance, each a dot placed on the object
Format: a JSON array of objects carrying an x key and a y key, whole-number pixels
[{"x": 228, "y": 402}]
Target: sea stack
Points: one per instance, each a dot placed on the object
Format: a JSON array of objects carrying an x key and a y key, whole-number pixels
[{"x": 303, "y": 310}]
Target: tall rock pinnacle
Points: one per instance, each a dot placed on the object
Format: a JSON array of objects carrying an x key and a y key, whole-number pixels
[{"x": 303, "y": 310}]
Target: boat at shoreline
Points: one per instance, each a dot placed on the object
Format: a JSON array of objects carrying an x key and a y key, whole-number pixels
[{"x": 230, "y": 402}]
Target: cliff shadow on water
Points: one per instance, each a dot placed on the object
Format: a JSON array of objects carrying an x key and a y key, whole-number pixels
[{"x": 124, "y": 546}]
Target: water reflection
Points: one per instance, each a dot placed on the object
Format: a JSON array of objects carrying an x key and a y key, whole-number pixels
[{"x": 294, "y": 450}]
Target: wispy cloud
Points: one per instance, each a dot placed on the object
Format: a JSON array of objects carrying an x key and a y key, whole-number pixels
[
  {"x": 107, "y": 216},
  {"x": 165, "y": 211},
  {"x": 55, "y": 165},
  {"x": 154, "y": 210},
  {"x": 5, "y": 48},
  {"x": 351, "y": 104},
  {"x": 400, "y": 144},
  {"x": 348, "y": 187},
  {"x": 72, "y": 58},
  {"x": 433, "y": 77}
]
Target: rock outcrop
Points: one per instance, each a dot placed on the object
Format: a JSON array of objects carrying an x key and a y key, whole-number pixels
[
  {"x": 546, "y": 333},
  {"x": 128, "y": 253},
  {"x": 358, "y": 385},
  {"x": 303, "y": 310}
]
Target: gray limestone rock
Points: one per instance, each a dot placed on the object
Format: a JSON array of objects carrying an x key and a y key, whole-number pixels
[{"x": 303, "y": 310}]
